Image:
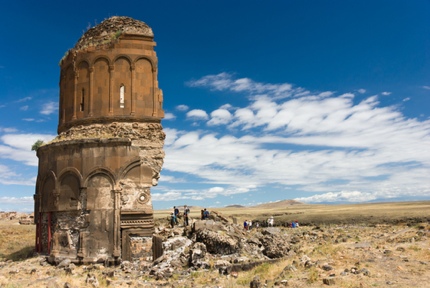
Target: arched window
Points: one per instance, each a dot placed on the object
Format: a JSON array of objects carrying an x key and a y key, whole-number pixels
[{"x": 121, "y": 95}]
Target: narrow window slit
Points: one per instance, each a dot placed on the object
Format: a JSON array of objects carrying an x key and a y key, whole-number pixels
[
  {"x": 81, "y": 106},
  {"x": 121, "y": 95}
]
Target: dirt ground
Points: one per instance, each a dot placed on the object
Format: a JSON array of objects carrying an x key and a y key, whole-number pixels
[{"x": 348, "y": 254}]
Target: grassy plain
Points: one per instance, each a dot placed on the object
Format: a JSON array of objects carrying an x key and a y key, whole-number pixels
[
  {"x": 312, "y": 214},
  {"x": 393, "y": 250},
  {"x": 16, "y": 241}
]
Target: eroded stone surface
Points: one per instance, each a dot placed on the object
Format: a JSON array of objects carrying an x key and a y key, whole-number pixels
[{"x": 93, "y": 192}]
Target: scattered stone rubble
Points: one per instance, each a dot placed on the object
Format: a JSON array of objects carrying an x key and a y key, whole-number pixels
[
  {"x": 24, "y": 218},
  {"x": 314, "y": 256}
]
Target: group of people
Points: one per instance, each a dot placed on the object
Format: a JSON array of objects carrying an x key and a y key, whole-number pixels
[
  {"x": 294, "y": 224},
  {"x": 247, "y": 225},
  {"x": 186, "y": 213},
  {"x": 175, "y": 215},
  {"x": 204, "y": 214}
]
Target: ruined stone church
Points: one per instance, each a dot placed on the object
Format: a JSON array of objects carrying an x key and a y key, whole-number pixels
[{"x": 93, "y": 189}]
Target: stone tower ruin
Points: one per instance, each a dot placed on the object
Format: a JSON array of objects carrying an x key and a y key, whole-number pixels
[{"x": 93, "y": 200}]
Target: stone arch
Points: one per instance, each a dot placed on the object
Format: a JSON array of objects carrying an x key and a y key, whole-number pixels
[
  {"x": 143, "y": 86},
  {"x": 122, "y": 77},
  {"x": 101, "y": 86},
  {"x": 71, "y": 170},
  {"x": 134, "y": 170},
  {"x": 102, "y": 57},
  {"x": 67, "y": 87},
  {"x": 99, "y": 237},
  {"x": 150, "y": 60},
  {"x": 103, "y": 171},
  {"x": 82, "y": 89},
  {"x": 99, "y": 186},
  {"x": 125, "y": 56},
  {"x": 83, "y": 62},
  {"x": 47, "y": 189},
  {"x": 130, "y": 165},
  {"x": 135, "y": 182},
  {"x": 69, "y": 190}
]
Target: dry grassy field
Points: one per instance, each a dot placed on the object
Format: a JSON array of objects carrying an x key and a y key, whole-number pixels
[
  {"x": 312, "y": 214},
  {"x": 364, "y": 245}
]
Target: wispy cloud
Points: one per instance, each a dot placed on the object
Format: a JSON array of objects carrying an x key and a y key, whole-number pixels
[
  {"x": 225, "y": 81},
  {"x": 318, "y": 143},
  {"x": 197, "y": 114},
  {"x": 19, "y": 204},
  {"x": 25, "y": 99},
  {"x": 17, "y": 147},
  {"x": 212, "y": 192},
  {"x": 9, "y": 177},
  {"x": 8, "y": 129},
  {"x": 182, "y": 108},
  {"x": 426, "y": 87},
  {"x": 169, "y": 116},
  {"x": 49, "y": 108},
  {"x": 16, "y": 200}
]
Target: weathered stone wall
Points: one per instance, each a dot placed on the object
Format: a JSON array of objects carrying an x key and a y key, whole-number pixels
[
  {"x": 111, "y": 75},
  {"x": 93, "y": 191}
]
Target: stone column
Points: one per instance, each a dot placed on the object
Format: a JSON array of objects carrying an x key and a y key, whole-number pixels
[
  {"x": 111, "y": 71},
  {"x": 117, "y": 223},
  {"x": 132, "y": 69},
  {"x": 154, "y": 88},
  {"x": 90, "y": 94},
  {"x": 75, "y": 88}
]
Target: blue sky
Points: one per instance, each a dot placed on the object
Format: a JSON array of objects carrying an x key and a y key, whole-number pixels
[{"x": 319, "y": 101}]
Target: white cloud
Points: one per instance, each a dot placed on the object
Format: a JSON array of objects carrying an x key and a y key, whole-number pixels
[
  {"x": 49, "y": 108},
  {"x": 361, "y": 91},
  {"x": 8, "y": 129},
  {"x": 182, "y": 108},
  {"x": 16, "y": 200},
  {"x": 386, "y": 93},
  {"x": 343, "y": 196},
  {"x": 426, "y": 87},
  {"x": 18, "y": 204},
  {"x": 198, "y": 195},
  {"x": 406, "y": 99},
  {"x": 220, "y": 117},
  {"x": 9, "y": 177},
  {"x": 25, "y": 99},
  {"x": 24, "y": 108},
  {"x": 225, "y": 81},
  {"x": 169, "y": 116},
  {"x": 17, "y": 147},
  {"x": 319, "y": 144},
  {"x": 197, "y": 114}
]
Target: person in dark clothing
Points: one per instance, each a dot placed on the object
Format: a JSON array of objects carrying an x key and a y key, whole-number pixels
[
  {"x": 205, "y": 214},
  {"x": 176, "y": 211},
  {"x": 172, "y": 220},
  {"x": 186, "y": 212}
]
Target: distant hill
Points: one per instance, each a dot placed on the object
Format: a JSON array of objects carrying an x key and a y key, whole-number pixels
[
  {"x": 234, "y": 206},
  {"x": 278, "y": 204}
]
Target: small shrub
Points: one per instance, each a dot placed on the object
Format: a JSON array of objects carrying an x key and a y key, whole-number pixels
[{"x": 312, "y": 275}]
